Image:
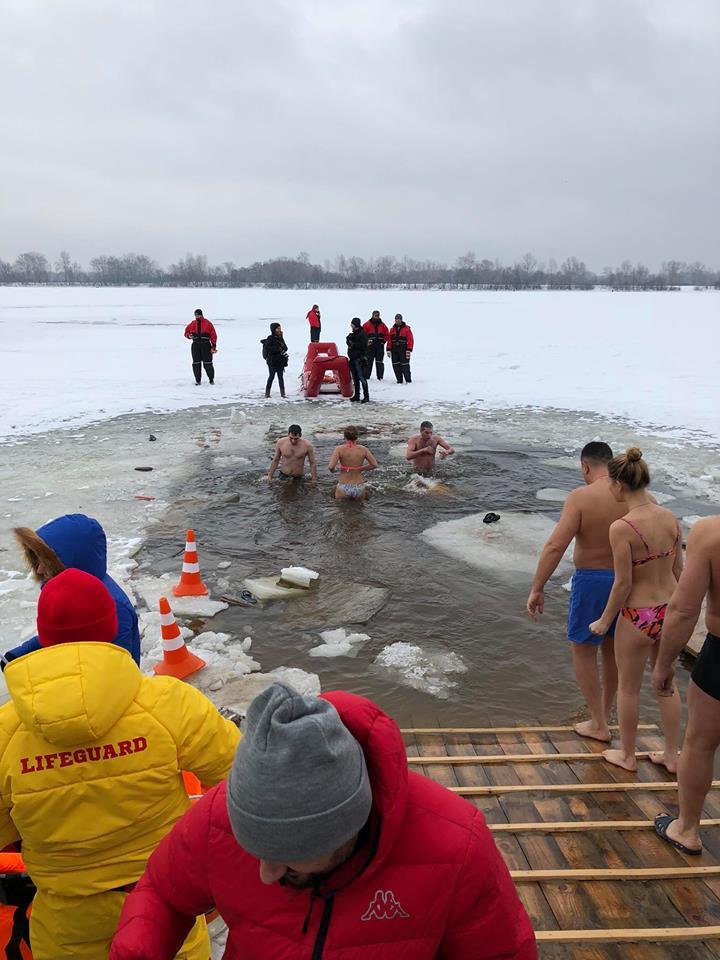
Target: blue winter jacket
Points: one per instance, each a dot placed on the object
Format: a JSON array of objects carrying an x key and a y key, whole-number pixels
[{"x": 79, "y": 542}]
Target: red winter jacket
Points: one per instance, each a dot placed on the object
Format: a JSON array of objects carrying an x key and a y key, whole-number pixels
[
  {"x": 373, "y": 330},
  {"x": 435, "y": 888},
  {"x": 313, "y": 318},
  {"x": 207, "y": 331},
  {"x": 400, "y": 336}
]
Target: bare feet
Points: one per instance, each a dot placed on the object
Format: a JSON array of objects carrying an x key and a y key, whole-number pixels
[
  {"x": 690, "y": 840},
  {"x": 661, "y": 760},
  {"x": 586, "y": 728},
  {"x": 620, "y": 759}
]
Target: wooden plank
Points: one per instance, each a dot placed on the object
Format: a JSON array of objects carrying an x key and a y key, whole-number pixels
[
  {"x": 494, "y": 730},
  {"x": 616, "y": 873},
  {"x": 651, "y": 934},
  {"x": 614, "y": 787},
  {"x": 516, "y": 758},
  {"x": 581, "y": 825}
]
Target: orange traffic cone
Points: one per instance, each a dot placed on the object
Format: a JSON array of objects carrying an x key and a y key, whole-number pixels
[
  {"x": 177, "y": 660},
  {"x": 191, "y": 584}
]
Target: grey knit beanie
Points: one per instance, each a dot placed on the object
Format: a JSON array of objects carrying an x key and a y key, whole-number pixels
[{"x": 298, "y": 787}]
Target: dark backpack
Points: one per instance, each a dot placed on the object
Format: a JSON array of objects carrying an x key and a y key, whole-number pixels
[{"x": 265, "y": 348}]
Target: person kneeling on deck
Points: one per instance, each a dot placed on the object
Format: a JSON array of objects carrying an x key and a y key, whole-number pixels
[
  {"x": 321, "y": 843},
  {"x": 91, "y": 761},
  {"x": 78, "y": 541}
]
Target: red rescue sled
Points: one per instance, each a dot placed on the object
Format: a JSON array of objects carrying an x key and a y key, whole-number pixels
[{"x": 326, "y": 372}]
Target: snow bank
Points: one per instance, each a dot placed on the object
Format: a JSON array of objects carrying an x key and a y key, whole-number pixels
[
  {"x": 420, "y": 669},
  {"x": 510, "y": 545},
  {"x": 539, "y": 349}
]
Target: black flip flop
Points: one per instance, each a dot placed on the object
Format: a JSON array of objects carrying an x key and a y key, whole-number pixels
[
  {"x": 248, "y": 597},
  {"x": 491, "y": 518},
  {"x": 662, "y": 822}
]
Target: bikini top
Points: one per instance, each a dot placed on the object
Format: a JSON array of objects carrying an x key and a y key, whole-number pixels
[{"x": 652, "y": 556}]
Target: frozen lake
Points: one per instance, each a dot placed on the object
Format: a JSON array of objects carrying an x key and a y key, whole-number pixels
[
  {"x": 83, "y": 354},
  {"x": 517, "y": 382}
]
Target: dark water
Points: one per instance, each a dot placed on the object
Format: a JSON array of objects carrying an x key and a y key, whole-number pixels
[{"x": 517, "y": 672}]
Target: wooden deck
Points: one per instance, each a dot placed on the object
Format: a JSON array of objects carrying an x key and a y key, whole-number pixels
[{"x": 577, "y": 836}]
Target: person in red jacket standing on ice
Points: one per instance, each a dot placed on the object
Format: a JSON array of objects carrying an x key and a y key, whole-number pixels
[
  {"x": 204, "y": 345},
  {"x": 313, "y": 318},
  {"x": 321, "y": 843},
  {"x": 377, "y": 334},
  {"x": 400, "y": 342}
]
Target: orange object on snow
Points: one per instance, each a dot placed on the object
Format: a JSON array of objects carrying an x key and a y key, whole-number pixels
[
  {"x": 323, "y": 367},
  {"x": 177, "y": 660},
  {"x": 190, "y": 584}
]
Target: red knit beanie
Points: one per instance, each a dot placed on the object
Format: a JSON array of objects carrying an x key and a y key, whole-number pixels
[{"x": 75, "y": 606}]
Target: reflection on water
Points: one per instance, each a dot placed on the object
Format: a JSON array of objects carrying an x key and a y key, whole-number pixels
[{"x": 517, "y": 672}]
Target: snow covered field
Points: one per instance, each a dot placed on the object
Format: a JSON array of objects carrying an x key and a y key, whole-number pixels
[{"x": 76, "y": 355}]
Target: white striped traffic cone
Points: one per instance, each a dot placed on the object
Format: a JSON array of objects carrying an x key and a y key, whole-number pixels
[
  {"x": 177, "y": 660},
  {"x": 190, "y": 584}
]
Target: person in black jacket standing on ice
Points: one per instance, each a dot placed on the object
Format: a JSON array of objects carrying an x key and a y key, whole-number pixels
[
  {"x": 400, "y": 343},
  {"x": 275, "y": 353},
  {"x": 357, "y": 345},
  {"x": 377, "y": 334}
]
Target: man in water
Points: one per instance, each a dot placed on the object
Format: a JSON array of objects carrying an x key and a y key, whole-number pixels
[
  {"x": 290, "y": 453},
  {"x": 700, "y": 578},
  {"x": 586, "y": 517},
  {"x": 421, "y": 448}
]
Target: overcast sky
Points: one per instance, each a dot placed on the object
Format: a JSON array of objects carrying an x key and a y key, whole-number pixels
[{"x": 246, "y": 129}]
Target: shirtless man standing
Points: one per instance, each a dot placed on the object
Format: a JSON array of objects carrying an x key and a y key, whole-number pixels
[
  {"x": 354, "y": 460},
  {"x": 700, "y": 578},
  {"x": 421, "y": 448},
  {"x": 290, "y": 453},
  {"x": 586, "y": 516}
]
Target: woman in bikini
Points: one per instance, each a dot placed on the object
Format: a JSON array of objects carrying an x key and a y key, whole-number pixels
[
  {"x": 647, "y": 559},
  {"x": 354, "y": 460}
]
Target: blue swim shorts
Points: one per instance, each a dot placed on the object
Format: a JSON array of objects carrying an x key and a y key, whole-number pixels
[{"x": 588, "y": 595}]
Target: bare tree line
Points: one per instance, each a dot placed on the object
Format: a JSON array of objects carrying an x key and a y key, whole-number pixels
[{"x": 467, "y": 272}]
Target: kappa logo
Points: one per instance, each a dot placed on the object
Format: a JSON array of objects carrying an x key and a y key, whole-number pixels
[{"x": 384, "y": 906}]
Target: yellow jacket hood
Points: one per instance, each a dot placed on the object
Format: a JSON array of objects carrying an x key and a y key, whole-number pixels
[{"x": 73, "y": 692}]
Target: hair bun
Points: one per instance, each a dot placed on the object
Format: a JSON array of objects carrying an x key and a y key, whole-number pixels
[{"x": 633, "y": 454}]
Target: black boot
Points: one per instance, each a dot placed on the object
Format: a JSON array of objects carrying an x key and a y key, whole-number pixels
[
  {"x": 267, "y": 393},
  {"x": 365, "y": 400},
  {"x": 355, "y": 398}
]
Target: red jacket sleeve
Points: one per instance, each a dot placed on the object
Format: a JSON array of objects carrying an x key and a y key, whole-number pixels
[
  {"x": 173, "y": 891},
  {"x": 213, "y": 334},
  {"x": 188, "y": 328},
  {"x": 488, "y": 921},
  {"x": 410, "y": 337}
]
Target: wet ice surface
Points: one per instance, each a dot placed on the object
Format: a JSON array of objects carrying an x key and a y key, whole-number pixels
[{"x": 378, "y": 574}]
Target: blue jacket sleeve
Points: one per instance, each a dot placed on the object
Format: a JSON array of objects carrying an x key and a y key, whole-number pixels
[
  {"x": 128, "y": 635},
  {"x": 29, "y": 646}
]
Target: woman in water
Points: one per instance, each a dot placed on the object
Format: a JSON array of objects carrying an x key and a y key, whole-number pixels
[
  {"x": 647, "y": 559},
  {"x": 353, "y": 460}
]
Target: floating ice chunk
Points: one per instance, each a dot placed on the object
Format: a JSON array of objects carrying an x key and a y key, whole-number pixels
[
  {"x": 339, "y": 643},
  {"x": 398, "y": 450},
  {"x": 306, "y": 684},
  {"x": 552, "y": 494},
  {"x": 224, "y": 564},
  {"x": 298, "y": 576},
  {"x": 691, "y": 520},
  {"x": 421, "y": 669},
  {"x": 151, "y": 589},
  {"x": 662, "y": 497},
  {"x": 512, "y": 544},
  {"x": 266, "y": 588},
  {"x": 565, "y": 463}
]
